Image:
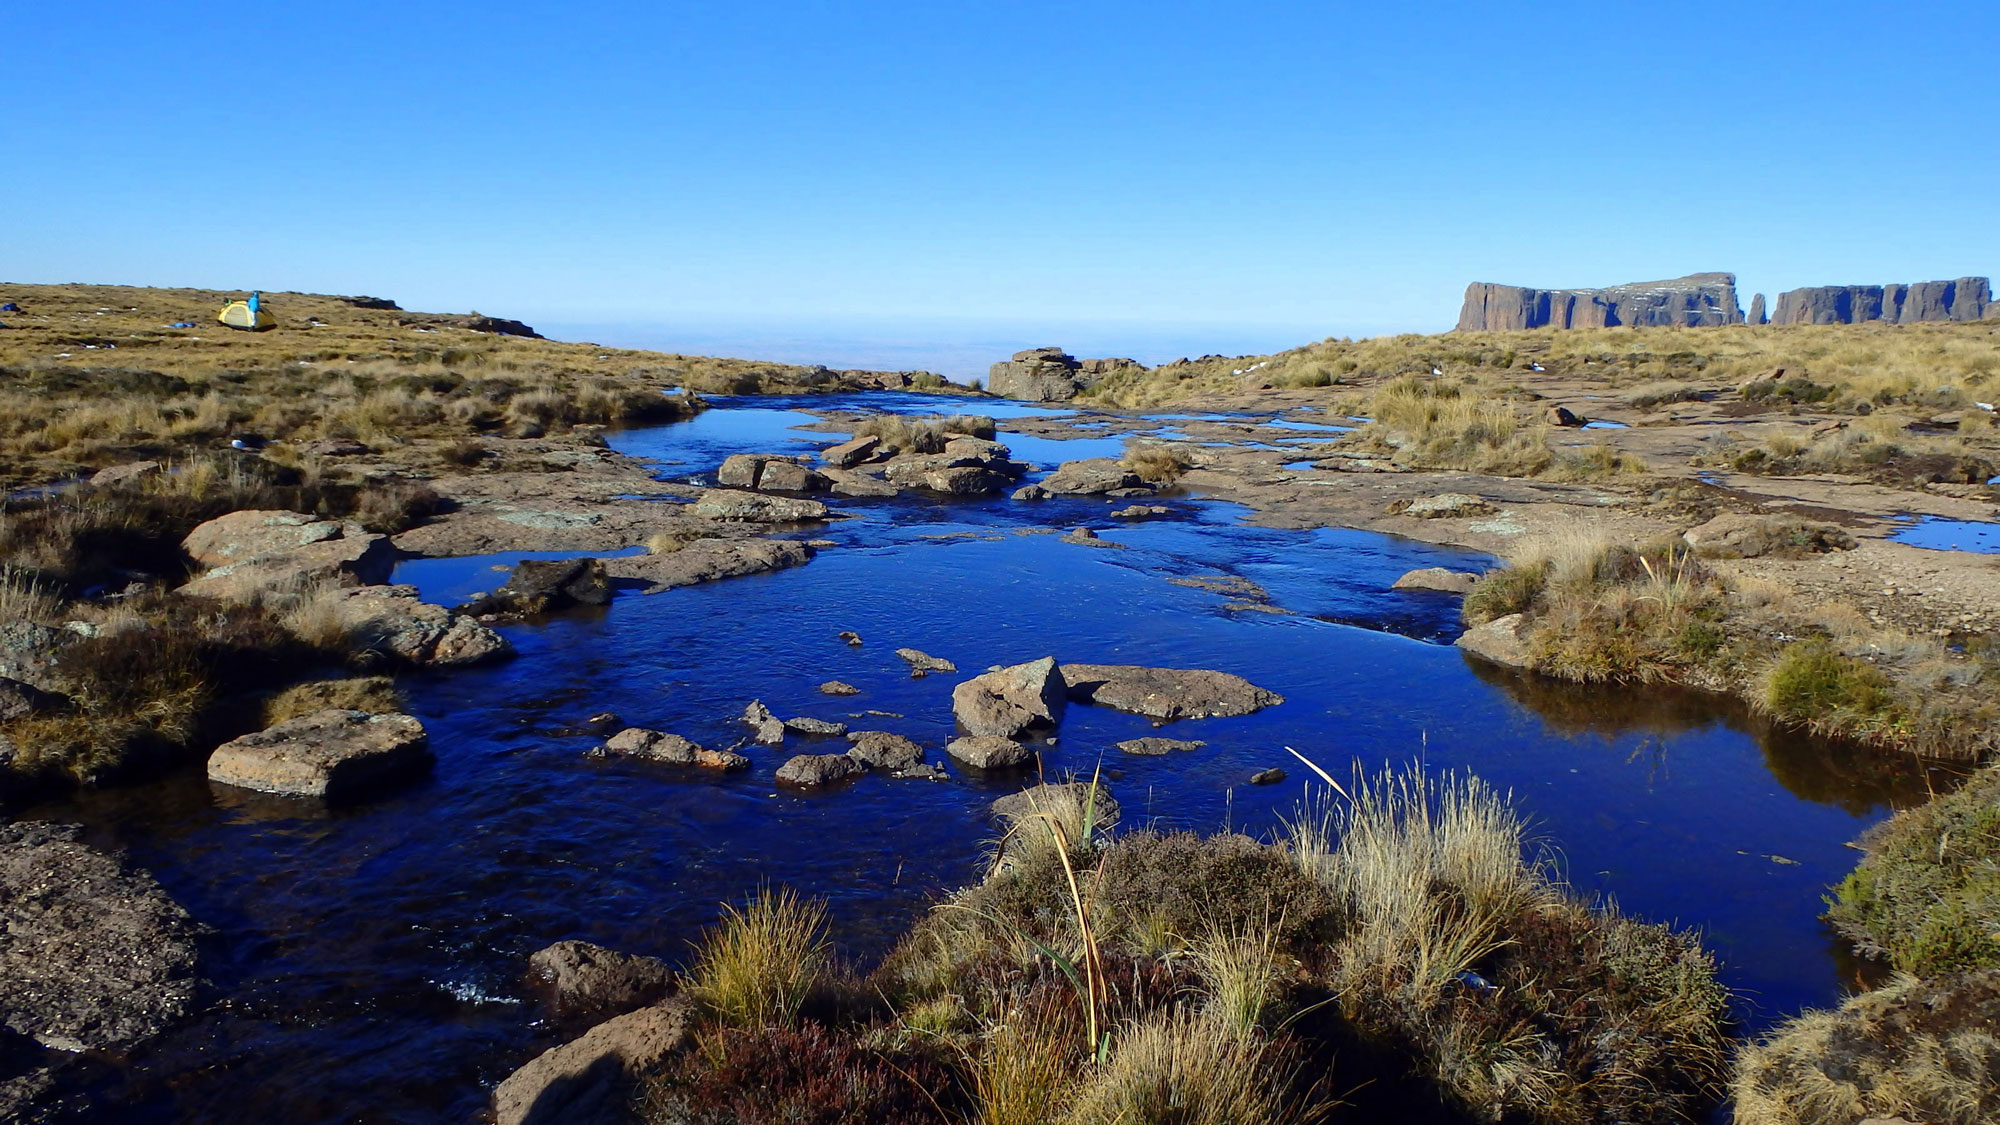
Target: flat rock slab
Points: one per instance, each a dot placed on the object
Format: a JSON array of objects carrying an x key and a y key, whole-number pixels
[
  {"x": 392, "y": 620},
  {"x": 989, "y": 752},
  {"x": 332, "y": 754},
  {"x": 1445, "y": 505},
  {"x": 1154, "y": 747},
  {"x": 1166, "y": 693},
  {"x": 1439, "y": 579},
  {"x": 251, "y": 553},
  {"x": 1007, "y": 701},
  {"x": 707, "y": 560},
  {"x": 1091, "y": 477},
  {"x": 93, "y": 954},
  {"x": 592, "y": 1079},
  {"x": 753, "y": 507}
]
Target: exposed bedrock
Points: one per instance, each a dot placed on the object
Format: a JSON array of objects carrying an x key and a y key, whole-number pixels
[
  {"x": 1050, "y": 374},
  {"x": 1699, "y": 298},
  {"x": 1966, "y": 298}
]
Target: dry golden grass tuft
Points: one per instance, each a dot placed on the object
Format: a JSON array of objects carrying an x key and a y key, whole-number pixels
[{"x": 756, "y": 968}]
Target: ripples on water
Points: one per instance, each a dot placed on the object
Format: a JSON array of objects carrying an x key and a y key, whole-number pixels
[{"x": 371, "y": 959}]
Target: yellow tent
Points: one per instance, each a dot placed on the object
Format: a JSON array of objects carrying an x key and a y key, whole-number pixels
[{"x": 250, "y": 315}]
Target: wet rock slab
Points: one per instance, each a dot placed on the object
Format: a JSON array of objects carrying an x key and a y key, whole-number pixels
[
  {"x": 1439, "y": 579},
  {"x": 1156, "y": 747},
  {"x": 707, "y": 560},
  {"x": 1166, "y": 694},
  {"x": 332, "y": 754},
  {"x": 93, "y": 954}
]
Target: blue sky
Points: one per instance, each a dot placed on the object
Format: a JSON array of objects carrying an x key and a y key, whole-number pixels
[{"x": 1290, "y": 170}]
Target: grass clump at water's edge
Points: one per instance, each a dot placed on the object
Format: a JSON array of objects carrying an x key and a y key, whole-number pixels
[
  {"x": 1598, "y": 611},
  {"x": 1399, "y": 945},
  {"x": 1926, "y": 894},
  {"x": 1912, "y": 1050}
]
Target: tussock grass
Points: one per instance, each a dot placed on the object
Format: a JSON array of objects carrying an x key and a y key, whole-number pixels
[
  {"x": 1027, "y": 1067},
  {"x": 1157, "y": 462},
  {"x": 756, "y": 968},
  {"x": 1816, "y": 685},
  {"x": 1179, "y": 1068},
  {"x": 1880, "y": 447},
  {"x": 1458, "y": 950},
  {"x": 903, "y": 434},
  {"x": 374, "y": 694},
  {"x": 1926, "y": 895},
  {"x": 1912, "y": 1050},
  {"x": 1238, "y": 969},
  {"x": 1433, "y": 424}
]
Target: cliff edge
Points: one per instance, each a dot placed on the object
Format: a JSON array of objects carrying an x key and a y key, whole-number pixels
[{"x": 1699, "y": 298}]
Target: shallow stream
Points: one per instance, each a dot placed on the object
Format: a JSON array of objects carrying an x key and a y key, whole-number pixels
[{"x": 372, "y": 959}]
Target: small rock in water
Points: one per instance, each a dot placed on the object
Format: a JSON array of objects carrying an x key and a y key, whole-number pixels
[
  {"x": 1270, "y": 776},
  {"x": 1140, "y": 512},
  {"x": 923, "y": 664},
  {"x": 770, "y": 731},
  {"x": 878, "y": 749},
  {"x": 815, "y": 726},
  {"x": 989, "y": 752},
  {"x": 603, "y": 722},
  {"x": 1153, "y": 747},
  {"x": 837, "y": 687},
  {"x": 812, "y": 770},
  {"x": 853, "y": 639}
]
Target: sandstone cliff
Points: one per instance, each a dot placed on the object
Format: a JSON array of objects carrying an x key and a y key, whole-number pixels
[
  {"x": 1701, "y": 298},
  {"x": 1967, "y": 298}
]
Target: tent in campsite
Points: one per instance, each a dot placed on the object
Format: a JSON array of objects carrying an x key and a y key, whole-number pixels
[{"x": 250, "y": 315}]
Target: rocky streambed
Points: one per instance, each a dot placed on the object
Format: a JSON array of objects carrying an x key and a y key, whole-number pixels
[{"x": 371, "y": 959}]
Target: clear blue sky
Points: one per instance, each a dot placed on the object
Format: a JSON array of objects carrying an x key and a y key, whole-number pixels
[{"x": 1332, "y": 167}]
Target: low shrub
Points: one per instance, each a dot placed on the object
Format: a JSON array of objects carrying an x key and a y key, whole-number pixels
[
  {"x": 1926, "y": 894},
  {"x": 807, "y": 1075},
  {"x": 1814, "y": 684}
]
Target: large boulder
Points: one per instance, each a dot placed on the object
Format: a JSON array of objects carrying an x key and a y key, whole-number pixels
[
  {"x": 1503, "y": 640},
  {"x": 1007, "y": 701},
  {"x": 790, "y": 476},
  {"x": 1166, "y": 694},
  {"x": 952, "y": 480},
  {"x": 1093, "y": 476},
  {"x": 590, "y": 978},
  {"x": 94, "y": 955},
  {"x": 1744, "y": 535},
  {"x": 592, "y": 1080},
  {"x": 752, "y": 507},
  {"x": 391, "y": 621},
  {"x": 248, "y": 554},
  {"x": 989, "y": 752},
  {"x": 1036, "y": 375},
  {"x": 332, "y": 754}
]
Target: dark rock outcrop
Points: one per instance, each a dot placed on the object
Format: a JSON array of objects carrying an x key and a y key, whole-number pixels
[
  {"x": 1036, "y": 375},
  {"x": 1967, "y": 298},
  {"x": 1093, "y": 476},
  {"x": 881, "y": 750},
  {"x": 989, "y": 752},
  {"x": 1697, "y": 299},
  {"x": 94, "y": 955},
  {"x": 672, "y": 749},
  {"x": 541, "y": 585},
  {"x": 502, "y": 326},
  {"x": 1757, "y": 315},
  {"x": 810, "y": 771}
]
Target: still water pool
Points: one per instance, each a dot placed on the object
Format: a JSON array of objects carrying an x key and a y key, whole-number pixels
[{"x": 371, "y": 959}]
